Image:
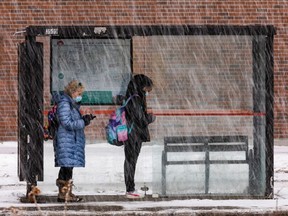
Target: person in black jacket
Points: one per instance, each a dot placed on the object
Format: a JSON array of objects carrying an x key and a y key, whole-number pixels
[{"x": 138, "y": 119}]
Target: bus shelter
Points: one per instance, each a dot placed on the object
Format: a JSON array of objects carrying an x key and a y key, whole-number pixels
[{"x": 214, "y": 131}]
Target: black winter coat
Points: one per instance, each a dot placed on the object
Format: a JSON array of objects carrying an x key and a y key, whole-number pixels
[{"x": 136, "y": 111}]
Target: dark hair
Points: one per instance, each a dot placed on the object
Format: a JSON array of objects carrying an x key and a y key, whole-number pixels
[
  {"x": 136, "y": 85},
  {"x": 142, "y": 81}
]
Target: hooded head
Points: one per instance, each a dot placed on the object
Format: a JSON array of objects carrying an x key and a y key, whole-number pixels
[{"x": 139, "y": 84}]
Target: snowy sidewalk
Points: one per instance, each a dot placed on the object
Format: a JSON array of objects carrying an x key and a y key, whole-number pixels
[{"x": 103, "y": 176}]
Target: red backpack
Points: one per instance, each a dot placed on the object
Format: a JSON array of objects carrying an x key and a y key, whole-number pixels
[{"x": 51, "y": 127}]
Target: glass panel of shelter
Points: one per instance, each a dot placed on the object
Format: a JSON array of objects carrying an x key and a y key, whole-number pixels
[{"x": 210, "y": 81}]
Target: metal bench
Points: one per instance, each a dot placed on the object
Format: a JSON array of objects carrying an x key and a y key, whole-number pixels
[{"x": 205, "y": 144}]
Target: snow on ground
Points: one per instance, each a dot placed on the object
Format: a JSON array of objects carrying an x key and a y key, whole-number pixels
[{"x": 103, "y": 175}]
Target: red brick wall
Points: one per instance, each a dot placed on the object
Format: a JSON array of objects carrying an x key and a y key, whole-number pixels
[{"x": 16, "y": 15}]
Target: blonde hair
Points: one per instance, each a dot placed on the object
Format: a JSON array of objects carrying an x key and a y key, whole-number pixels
[{"x": 73, "y": 86}]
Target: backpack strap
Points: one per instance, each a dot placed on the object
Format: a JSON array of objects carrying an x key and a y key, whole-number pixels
[{"x": 126, "y": 102}]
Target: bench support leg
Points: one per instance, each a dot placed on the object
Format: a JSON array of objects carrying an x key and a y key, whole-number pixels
[
  {"x": 163, "y": 173},
  {"x": 207, "y": 171}
]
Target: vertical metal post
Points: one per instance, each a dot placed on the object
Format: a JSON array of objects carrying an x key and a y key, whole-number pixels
[
  {"x": 258, "y": 121},
  {"x": 269, "y": 116},
  {"x": 30, "y": 111},
  {"x": 263, "y": 125}
]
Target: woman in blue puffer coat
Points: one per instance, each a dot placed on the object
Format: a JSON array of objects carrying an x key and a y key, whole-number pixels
[{"x": 69, "y": 143}]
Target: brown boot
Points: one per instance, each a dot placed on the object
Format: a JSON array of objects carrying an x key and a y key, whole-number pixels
[
  {"x": 65, "y": 191},
  {"x": 32, "y": 194}
]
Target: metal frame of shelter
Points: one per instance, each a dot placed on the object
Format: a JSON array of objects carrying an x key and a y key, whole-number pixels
[{"x": 30, "y": 78}]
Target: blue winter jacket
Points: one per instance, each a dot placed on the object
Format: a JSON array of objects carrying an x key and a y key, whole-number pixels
[{"x": 69, "y": 145}]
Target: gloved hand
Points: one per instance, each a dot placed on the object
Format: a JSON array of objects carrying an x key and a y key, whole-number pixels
[
  {"x": 151, "y": 117},
  {"x": 87, "y": 118}
]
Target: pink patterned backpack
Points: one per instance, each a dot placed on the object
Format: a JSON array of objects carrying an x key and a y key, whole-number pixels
[{"x": 117, "y": 130}]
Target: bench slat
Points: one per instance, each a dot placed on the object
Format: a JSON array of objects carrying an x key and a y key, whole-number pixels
[
  {"x": 210, "y": 162},
  {"x": 242, "y": 147},
  {"x": 199, "y": 148},
  {"x": 185, "y": 148},
  {"x": 205, "y": 139}
]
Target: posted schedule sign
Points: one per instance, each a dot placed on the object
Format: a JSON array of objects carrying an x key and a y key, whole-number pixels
[{"x": 102, "y": 65}]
